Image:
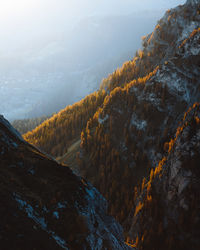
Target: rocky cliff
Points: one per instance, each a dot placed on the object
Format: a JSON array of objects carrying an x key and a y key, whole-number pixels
[
  {"x": 166, "y": 214},
  {"x": 45, "y": 206},
  {"x": 127, "y": 136}
]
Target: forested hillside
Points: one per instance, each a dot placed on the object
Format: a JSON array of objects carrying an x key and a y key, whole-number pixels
[
  {"x": 56, "y": 134},
  {"x": 127, "y": 125},
  {"x": 129, "y": 134},
  {"x": 166, "y": 213}
]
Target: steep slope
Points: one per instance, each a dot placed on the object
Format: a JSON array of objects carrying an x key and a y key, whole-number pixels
[
  {"x": 166, "y": 214},
  {"x": 45, "y": 206},
  {"x": 126, "y": 137},
  {"x": 176, "y": 25},
  {"x": 56, "y": 134},
  {"x": 140, "y": 111},
  {"x": 158, "y": 47}
]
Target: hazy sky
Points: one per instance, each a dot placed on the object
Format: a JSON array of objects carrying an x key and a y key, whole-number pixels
[
  {"x": 21, "y": 9},
  {"x": 38, "y": 45},
  {"x": 22, "y": 21}
]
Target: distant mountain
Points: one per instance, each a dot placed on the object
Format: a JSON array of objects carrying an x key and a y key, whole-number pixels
[
  {"x": 57, "y": 133},
  {"x": 45, "y": 206},
  {"x": 26, "y": 125}
]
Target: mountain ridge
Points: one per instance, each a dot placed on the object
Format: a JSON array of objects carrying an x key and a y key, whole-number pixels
[
  {"x": 173, "y": 187},
  {"x": 128, "y": 134},
  {"x": 46, "y": 206},
  {"x": 140, "y": 117}
]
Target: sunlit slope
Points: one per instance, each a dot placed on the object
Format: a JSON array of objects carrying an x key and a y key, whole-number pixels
[
  {"x": 146, "y": 101},
  {"x": 139, "y": 110},
  {"x": 156, "y": 48},
  {"x": 55, "y": 134}
]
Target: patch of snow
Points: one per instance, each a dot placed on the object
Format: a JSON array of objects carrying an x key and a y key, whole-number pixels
[
  {"x": 23, "y": 205},
  {"x": 45, "y": 209},
  {"x": 154, "y": 100},
  {"x": 31, "y": 171},
  {"x": 101, "y": 226},
  {"x": 195, "y": 50},
  {"x": 175, "y": 168},
  {"x": 187, "y": 31},
  {"x": 97, "y": 244},
  {"x": 192, "y": 2},
  {"x": 101, "y": 121},
  {"x": 61, "y": 205},
  {"x": 123, "y": 147},
  {"x": 118, "y": 111},
  {"x": 90, "y": 193},
  {"x": 14, "y": 144},
  {"x": 60, "y": 241},
  {"x": 176, "y": 84},
  {"x": 56, "y": 214},
  {"x": 183, "y": 184},
  {"x": 183, "y": 204},
  {"x": 139, "y": 124},
  {"x": 2, "y": 152},
  {"x": 30, "y": 212}
]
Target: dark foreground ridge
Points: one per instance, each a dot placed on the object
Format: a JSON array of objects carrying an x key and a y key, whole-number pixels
[{"x": 45, "y": 206}]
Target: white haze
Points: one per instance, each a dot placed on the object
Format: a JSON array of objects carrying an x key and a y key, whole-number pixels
[{"x": 53, "y": 52}]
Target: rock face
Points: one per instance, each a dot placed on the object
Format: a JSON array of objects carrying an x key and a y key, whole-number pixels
[
  {"x": 45, "y": 206},
  {"x": 167, "y": 209},
  {"x": 126, "y": 137},
  {"x": 192, "y": 2}
]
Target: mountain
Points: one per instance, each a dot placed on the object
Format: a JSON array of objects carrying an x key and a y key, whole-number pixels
[
  {"x": 25, "y": 125},
  {"x": 141, "y": 107},
  {"x": 143, "y": 64},
  {"x": 45, "y": 206},
  {"x": 126, "y": 137},
  {"x": 166, "y": 213},
  {"x": 56, "y": 134}
]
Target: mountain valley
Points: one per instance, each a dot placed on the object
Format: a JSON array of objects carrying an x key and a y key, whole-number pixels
[{"x": 136, "y": 139}]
